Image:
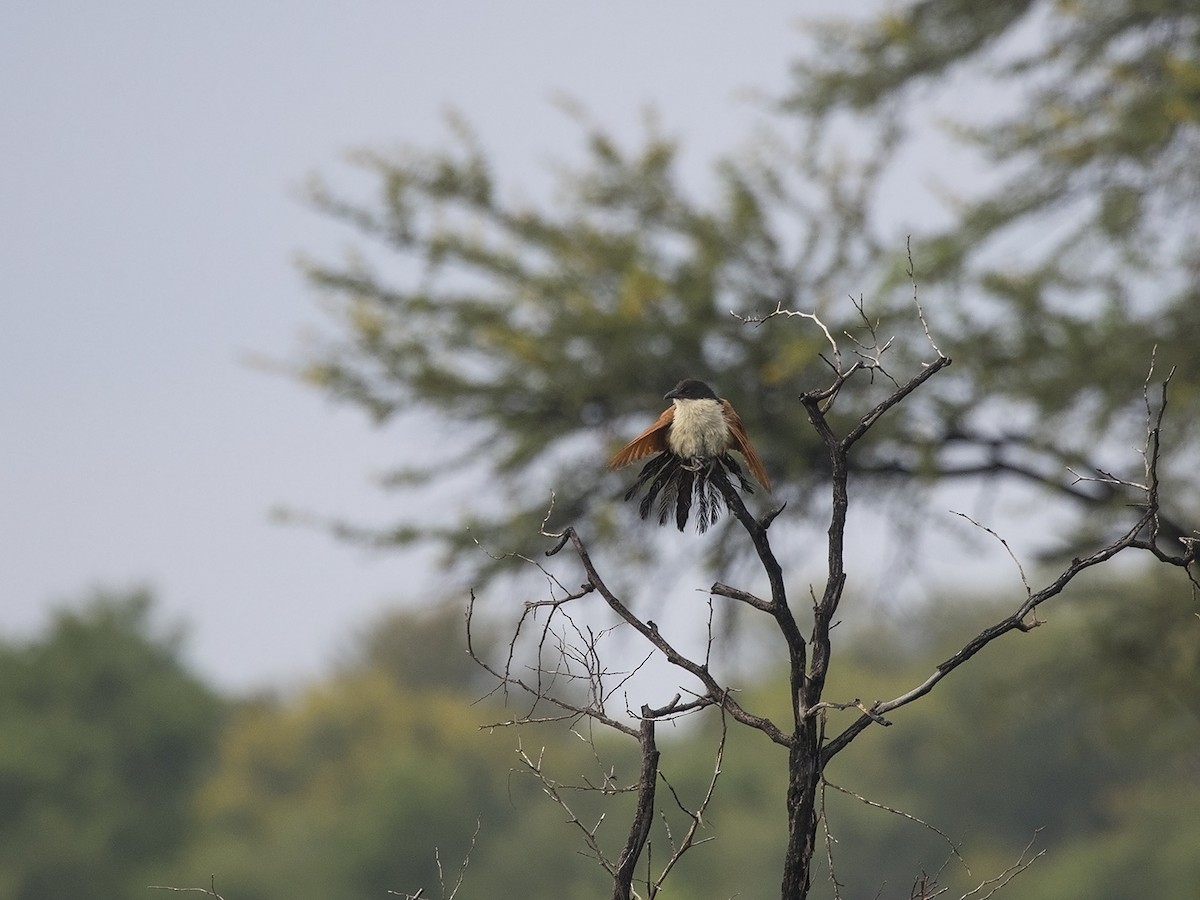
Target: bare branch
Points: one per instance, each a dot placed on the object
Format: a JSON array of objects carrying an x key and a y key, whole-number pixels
[
  {"x": 696, "y": 815},
  {"x": 892, "y": 400},
  {"x": 724, "y": 590},
  {"x": 778, "y": 607},
  {"x": 715, "y": 692},
  {"x": 1004, "y": 544},
  {"x": 210, "y": 891},
  {"x": 643, "y": 816},
  {"x": 780, "y": 311},
  {"x": 551, "y": 789},
  {"x": 899, "y": 812},
  {"x": 912, "y": 275},
  {"x": 1147, "y": 524},
  {"x": 1014, "y": 622},
  {"x": 1008, "y": 874}
]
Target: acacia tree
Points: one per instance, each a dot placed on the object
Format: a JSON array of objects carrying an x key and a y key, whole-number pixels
[
  {"x": 1074, "y": 255},
  {"x": 813, "y": 734},
  {"x": 1061, "y": 271},
  {"x": 533, "y": 329}
]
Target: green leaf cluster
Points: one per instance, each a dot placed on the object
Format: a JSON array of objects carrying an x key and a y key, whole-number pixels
[
  {"x": 103, "y": 736},
  {"x": 545, "y": 336},
  {"x": 1083, "y": 731},
  {"x": 117, "y": 770},
  {"x": 1074, "y": 264},
  {"x": 540, "y": 334},
  {"x": 363, "y": 784},
  {"x": 1080, "y": 730}
]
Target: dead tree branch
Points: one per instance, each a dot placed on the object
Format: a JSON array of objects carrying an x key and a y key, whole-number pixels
[
  {"x": 568, "y": 653},
  {"x": 643, "y": 816}
]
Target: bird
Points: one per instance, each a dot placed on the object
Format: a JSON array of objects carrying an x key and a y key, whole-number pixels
[{"x": 690, "y": 444}]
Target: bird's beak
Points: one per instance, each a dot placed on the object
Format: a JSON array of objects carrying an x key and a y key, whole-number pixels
[{"x": 670, "y": 395}]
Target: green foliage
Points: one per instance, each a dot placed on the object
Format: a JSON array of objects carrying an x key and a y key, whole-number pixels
[
  {"x": 542, "y": 334},
  {"x": 350, "y": 788},
  {"x": 102, "y": 736},
  {"x": 1086, "y": 728},
  {"x": 1054, "y": 730},
  {"x": 549, "y": 336},
  {"x": 860, "y": 65},
  {"x": 423, "y": 649},
  {"x": 1079, "y": 259},
  {"x": 363, "y": 785}
]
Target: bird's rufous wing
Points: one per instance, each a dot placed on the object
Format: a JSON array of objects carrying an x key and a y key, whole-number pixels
[
  {"x": 652, "y": 440},
  {"x": 741, "y": 443}
]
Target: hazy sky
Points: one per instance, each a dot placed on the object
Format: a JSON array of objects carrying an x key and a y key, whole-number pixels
[{"x": 150, "y": 171}]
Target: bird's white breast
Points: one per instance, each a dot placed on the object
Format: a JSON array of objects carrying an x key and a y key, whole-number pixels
[{"x": 699, "y": 429}]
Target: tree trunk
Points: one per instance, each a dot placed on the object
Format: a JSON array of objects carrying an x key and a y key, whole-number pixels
[
  {"x": 804, "y": 778},
  {"x": 644, "y": 815}
]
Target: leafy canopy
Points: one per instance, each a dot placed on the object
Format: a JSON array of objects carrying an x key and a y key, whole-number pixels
[
  {"x": 103, "y": 735},
  {"x": 541, "y": 335}
]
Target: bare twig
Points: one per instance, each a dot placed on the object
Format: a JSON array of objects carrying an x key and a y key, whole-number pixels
[
  {"x": 899, "y": 812},
  {"x": 780, "y": 311},
  {"x": 912, "y": 275},
  {"x": 830, "y": 840},
  {"x": 871, "y": 353},
  {"x": 695, "y": 815},
  {"x": 713, "y": 691},
  {"x": 462, "y": 869},
  {"x": 1004, "y": 544},
  {"x": 996, "y": 883},
  {"x": 856, "y": 703},
  {"x": 211, "y": 891},
  {"x": 551, "y": 789},
  {"x": 643, "y": 816}
]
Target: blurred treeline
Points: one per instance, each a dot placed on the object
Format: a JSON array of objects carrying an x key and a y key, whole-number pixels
[{"x": 121, "y": 769}]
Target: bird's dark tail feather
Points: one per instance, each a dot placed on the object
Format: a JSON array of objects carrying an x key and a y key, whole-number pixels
[{"x": 676, "y": 486}]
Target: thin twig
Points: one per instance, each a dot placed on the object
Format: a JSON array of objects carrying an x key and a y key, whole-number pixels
[
  {"x": 780, "y": 311},
  {"x": 1004, "y": 544},
  {"x": 210, "y": 891},
  {"x": 1008, "y": 874},
  {"x": 899, "y": 812},
  {"x": 697, "y": 815},
  {"x": 912, "y": 275},
  {"x": 830, "y": 840}
]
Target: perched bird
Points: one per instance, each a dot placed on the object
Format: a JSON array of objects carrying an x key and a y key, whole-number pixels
[{"x": 692, "y": 440}]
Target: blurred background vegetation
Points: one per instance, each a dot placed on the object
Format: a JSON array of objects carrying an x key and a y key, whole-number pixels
[
  {"x": 538, "y": 334},
  {"x": 119, "y": 770}
]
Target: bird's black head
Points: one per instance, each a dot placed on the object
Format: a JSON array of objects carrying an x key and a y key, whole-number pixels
[{"x": 691, "y": 389}]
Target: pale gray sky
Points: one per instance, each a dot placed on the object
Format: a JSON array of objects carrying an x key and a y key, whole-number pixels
[{"x": 150, "y": 166}]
